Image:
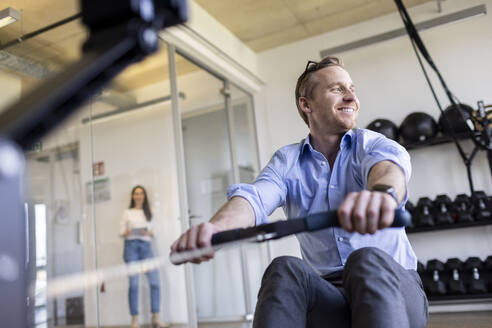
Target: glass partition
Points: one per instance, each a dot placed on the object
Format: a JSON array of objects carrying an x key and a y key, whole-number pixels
[
  {"x": 218, "y": 287},
  {"x": 220, "y": 149},
  {"x": 243, "y": 131},
  {"x": 133, "y": 145},
  {"x": 80, "y": 180}
]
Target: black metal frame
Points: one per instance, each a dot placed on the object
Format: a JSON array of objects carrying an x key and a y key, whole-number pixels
[
  {"x": 279, "y": 229},
  {"x": 482, "y": 138}
]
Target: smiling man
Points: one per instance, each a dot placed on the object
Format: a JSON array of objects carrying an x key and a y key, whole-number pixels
[{"x": 358, "y": 275}]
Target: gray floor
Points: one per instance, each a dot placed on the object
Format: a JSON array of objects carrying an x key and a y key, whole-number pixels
[
  {"x": 436, "y": 320},
  {"x": 200, "y": 325},
  {"x": 460, "y": 320}
]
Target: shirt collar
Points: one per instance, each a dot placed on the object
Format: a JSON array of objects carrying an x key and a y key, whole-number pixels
[
  {"x": 346, "y": 142},
  {"x": 306, "y": 144},
  {"x": 348, "y": 138}
]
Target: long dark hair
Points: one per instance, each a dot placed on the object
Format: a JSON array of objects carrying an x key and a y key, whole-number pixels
[{"x": 145, "y": 206}]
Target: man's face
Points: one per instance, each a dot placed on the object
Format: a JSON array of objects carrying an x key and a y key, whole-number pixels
[{"x": 333, "y": 106}]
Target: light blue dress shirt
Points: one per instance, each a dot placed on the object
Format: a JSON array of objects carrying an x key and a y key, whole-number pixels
[{"x": 299, "y": 179}]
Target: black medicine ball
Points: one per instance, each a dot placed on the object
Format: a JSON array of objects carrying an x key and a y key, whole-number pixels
[
  {"x": 455, "y": 119},
  {"x": 418, "y": 127},
  {"x": 385, "y": 127}
]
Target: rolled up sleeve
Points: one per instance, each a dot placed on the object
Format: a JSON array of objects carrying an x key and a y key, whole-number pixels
[
  {"x": 267, "y": 192},
  {"x": 123, "y": 223},
  {"x": 383, "y": 149}
]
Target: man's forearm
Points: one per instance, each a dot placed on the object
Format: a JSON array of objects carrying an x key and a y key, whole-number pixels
[
  {"x": 236, "y": 213},
  {"x": 388, "y": 173}
]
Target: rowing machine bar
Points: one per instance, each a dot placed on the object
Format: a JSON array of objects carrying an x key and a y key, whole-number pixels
[{"x": 276, "y": 230}]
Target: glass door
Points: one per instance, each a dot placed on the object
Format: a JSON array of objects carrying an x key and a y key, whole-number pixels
[
  {"x": 219, "y": 149},
  {"x": 241, "y": 119}
]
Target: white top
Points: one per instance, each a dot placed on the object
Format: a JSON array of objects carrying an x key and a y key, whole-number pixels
[{"x": 134, "y": 218}]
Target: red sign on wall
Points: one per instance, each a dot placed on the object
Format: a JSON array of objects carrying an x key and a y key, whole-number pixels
[{"x": 98, "y": 169}]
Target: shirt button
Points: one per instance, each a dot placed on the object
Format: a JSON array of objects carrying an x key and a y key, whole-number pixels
[
  {"x": 340, "y": 238},
  {"x": 332, "y": 187},
  {"x": 323, "y": 163}
]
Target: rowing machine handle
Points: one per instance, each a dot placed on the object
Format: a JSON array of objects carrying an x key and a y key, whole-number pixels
[
  {"x": 322, "y": 220},
  {"x": 313, "y": 222}
]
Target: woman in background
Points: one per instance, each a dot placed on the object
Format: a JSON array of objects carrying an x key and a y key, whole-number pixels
[{"x": 136, "y": 228}]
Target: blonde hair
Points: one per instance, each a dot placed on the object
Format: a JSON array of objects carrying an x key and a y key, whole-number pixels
[{"x": 306, "y": 84}]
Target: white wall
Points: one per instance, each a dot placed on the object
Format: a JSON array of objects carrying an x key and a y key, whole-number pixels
[{"x": 390, "y": 85}]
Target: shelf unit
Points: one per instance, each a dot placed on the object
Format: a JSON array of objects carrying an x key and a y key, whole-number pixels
[
  {"x": 449, "y": 226},
  {"x": 452, "y": 303},
  {"x": 437, "y": 140},
  {"x": 463, "y": 303}
]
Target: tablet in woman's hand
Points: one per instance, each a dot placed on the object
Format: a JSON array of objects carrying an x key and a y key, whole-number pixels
[{"x": 139, "y": 231}]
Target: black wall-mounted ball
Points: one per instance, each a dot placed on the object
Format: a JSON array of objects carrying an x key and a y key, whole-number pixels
[
  {"x": 455, "y": 119},
  {"x": 418, "y": 127},
  {"x": 385, "y": 127}
]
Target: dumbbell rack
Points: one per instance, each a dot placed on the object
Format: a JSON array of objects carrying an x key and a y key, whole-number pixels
[
  {"x": 462, "y": 303},
  {"x": 452, "y": 303},
  {"x": 462, "y": 297},
  {"x": 437, "y": 140},
  {"x": 449, "y": 226},
  {"x": 457, "y": 303},
  {"x": 453, "y": 299}
]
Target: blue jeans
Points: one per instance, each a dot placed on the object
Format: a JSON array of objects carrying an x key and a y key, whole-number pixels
[{"x": 136, "y": 250}]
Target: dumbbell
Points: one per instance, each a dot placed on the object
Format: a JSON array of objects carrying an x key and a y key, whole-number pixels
[
  {"x": 443, "y": 205},
  {"x": 482, "y": 206},
  {"x": 424, "y": 212},
  {"x": 463, "y": 208},
  {"x": 488, "y": 274},
  {"x": 422, "y": 273},
  {"x": 475, "y": 283},
  {"x": 454, "y": 267},
  {"x": 410, "y": 207},
  {"x": 420, "y": 268},
  {"x": 434, "y": 284}
]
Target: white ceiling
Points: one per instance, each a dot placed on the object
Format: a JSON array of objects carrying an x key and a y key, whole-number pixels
[
  {"x": 267, "y": 24},
  {"x": 260, "y": 24}
]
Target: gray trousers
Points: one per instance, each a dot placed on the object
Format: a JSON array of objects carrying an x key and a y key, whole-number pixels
[{"x": 373, "y": 291}]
